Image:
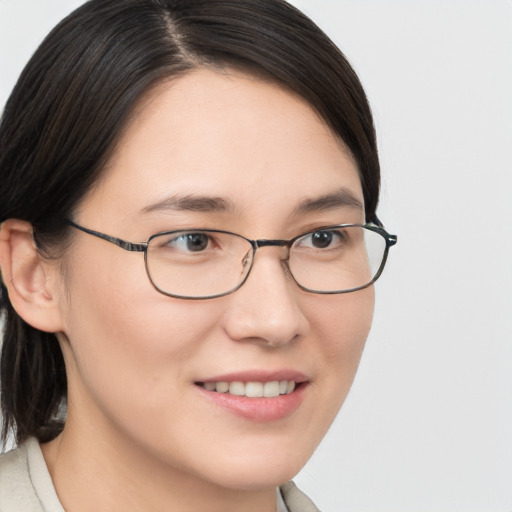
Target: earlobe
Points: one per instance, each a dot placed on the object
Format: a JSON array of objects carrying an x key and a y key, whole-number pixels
[{"x": 24, "y": 273}]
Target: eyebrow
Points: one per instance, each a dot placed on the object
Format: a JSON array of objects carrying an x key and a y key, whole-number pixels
[
  {"x": 191, "y": 203},
  {"x": 339, "y": 199}
]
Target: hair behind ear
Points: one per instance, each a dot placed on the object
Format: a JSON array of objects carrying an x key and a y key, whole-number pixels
[{"x": 32, "y": 369}]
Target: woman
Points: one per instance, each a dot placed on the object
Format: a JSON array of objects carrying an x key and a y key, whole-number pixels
[{"x": 231, "y": 143}]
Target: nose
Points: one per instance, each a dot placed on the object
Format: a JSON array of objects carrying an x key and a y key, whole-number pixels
[{"x": 266, "y": 309}]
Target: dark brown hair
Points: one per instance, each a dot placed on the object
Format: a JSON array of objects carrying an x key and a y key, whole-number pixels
[{"x": 72, "y": 100}]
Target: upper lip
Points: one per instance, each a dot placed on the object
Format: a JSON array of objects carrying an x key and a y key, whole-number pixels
[{"x": 259, "y": 376}]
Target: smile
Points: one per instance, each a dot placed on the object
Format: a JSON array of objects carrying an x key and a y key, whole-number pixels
[
  {"x": 257, "y": 396},
  {"x": 252, "y": 389}
]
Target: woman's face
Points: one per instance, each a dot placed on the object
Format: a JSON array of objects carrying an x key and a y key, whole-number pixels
[{"x": 223, "y": 151}]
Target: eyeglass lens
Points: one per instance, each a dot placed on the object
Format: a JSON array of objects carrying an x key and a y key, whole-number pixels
[{"x": 199, "y": 264}]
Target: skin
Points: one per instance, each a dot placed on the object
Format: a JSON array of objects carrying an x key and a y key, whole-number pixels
[{"x": 139, "y": 434}]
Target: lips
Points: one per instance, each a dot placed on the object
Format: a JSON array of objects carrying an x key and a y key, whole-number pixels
[{"x": 257, "y": 396}]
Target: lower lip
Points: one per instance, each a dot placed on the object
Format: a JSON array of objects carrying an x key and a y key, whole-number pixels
[{"x": 258, "y": 409}]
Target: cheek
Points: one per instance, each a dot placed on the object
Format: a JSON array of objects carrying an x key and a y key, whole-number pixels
[
  {"x": 342, "y": 325},
  {"x": 345, "y": 322},
  {"x": 125, "y": 337}
]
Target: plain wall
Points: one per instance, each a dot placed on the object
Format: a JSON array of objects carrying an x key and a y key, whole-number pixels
[{"x": 427, "y": 426}]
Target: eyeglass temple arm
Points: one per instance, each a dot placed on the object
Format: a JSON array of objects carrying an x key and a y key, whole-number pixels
[{"x": 124, "y": 244}]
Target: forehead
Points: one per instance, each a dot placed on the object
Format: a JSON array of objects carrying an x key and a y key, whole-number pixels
[{"x": 224, "y": 135}]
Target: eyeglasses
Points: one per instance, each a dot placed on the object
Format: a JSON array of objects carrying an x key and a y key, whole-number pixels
[{"x": 210, "y": 263}]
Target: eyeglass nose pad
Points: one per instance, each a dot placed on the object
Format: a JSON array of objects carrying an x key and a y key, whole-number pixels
[{"x": 246, "y": 260}]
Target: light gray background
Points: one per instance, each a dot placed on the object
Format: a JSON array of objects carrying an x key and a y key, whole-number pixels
[{"x": 427, "y": 426}]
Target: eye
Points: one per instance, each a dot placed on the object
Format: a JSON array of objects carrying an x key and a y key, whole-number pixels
[
  {"x": 190, "y": 242},
  {"x": 322, "y": 239}
]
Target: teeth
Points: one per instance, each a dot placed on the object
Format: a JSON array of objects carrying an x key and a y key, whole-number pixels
[
  {"x": 237, "y": 388},
  {"x": 271, "y": 389},
  {"x": 252, "y": 389},
  {"x": 222, "y": 387}
]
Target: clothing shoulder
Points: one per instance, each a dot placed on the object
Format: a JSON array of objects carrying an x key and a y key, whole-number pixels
[
  {"x": 16, "y": 489},
  {"x": 25, "y": 483},
  {"x": 296, "y": 501}
]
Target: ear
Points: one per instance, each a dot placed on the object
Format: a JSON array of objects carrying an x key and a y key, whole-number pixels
[{"x": 31, "y": 282}]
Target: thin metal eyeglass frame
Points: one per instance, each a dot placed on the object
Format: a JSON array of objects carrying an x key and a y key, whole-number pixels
[{"x": 390, "y": 240}]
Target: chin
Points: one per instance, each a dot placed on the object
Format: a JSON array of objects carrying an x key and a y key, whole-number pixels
[
  {"x": 254, "y": 477},
  {"x": 259, "y": 469}
]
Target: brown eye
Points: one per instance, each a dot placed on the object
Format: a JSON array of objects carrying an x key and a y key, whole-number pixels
[{"x": 321, "y": 239}]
